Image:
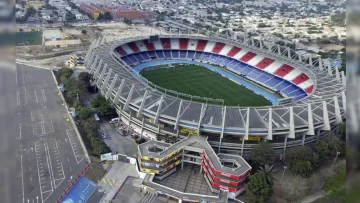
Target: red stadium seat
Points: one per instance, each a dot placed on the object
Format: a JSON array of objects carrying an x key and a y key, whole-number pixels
[
  {"x": 150, "y": 46},
  {"x": 184, "y": 44},
  {"x": 283, "y": 70},
  {"x": 300, "y": 78},
  {"x": 218, "y": 47},
  {"x": 233, "y": 51},
  {"x": 166, "y": 43},
  {"x": 201, "y": 45},
  {"x": 264, "y": 63},
  {"x": 309, "y": 89},
  {"x": 247, "y": 57},
  {"x": 121, "y": 51},
  {"x": 133, "y": 47}
]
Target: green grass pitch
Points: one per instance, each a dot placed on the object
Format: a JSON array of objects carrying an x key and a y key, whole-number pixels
[
  {"x": 28, "y": 38},
  {"x": 200, "y": 81}
]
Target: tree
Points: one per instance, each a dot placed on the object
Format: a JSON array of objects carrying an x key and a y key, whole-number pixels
[
  {"x": 84, "y": 32},
  {"x": 73, "y": 93},
  {"x": 85, "y": 113},
  {"x": 107, "y": 16},
  {"x": 263, "y": 154},
  {"x": 268, "y": 171},
  {"x": 99, "y": 147},
  {"x": 147, "y": 22},
  {"x": 127, "y": 21},
  {"x": 66, "y": 72},
  {"x": 258, "y": 190},
  {"x": 302, "y": 160},
  {"x": 85, "y": 76},
  {"x": 97, "y": 101},
  {"x": 90, "y": 125}
]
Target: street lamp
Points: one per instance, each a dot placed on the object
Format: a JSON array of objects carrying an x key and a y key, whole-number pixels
[
  {"x": 337, "y": 154},
  {"x": 285, "y": 167}
]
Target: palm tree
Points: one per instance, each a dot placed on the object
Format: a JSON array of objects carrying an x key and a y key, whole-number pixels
[{"x": 268, "y": 172}]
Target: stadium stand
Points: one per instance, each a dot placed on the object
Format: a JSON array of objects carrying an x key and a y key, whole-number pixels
[
  {"x": 209, "y": 46},
  {"x": 127, "y": 49},
  {"x": 192, "y": 45},
  {"x": 150, "y": 46},
  {"x": 184, "y": 44},
  {"x": 218, "y": 47},
  {"x": 141, "y": 46},
  {"x": 121, "y": 51},
  {"x": 310, "y": 89},
  {"x": 233, "y": 51},
  {"x": 283, "y": 70},
  {"x": 264, "y": 63},
  {"x": 165, "y": 42},
  {"x": 133, "y": 47},
  {"x": 201, "y": 45},
  {"x": 247, "y": 57},
  {"x": 175, "y": 44},
  {"x": 300, "y": 78}
]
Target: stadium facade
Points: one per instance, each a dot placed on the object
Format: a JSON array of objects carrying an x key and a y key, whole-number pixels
[{"x": 316, "y": 91}]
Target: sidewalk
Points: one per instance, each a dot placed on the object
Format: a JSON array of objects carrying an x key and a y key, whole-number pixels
[
  {"x": 118, "y": 174},
  {"x": 314, "y": 197}
]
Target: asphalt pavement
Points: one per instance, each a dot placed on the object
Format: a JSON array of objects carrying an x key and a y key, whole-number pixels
[
  {"x": 117, "y": 142},
  {"x": 41, "y": 153}
]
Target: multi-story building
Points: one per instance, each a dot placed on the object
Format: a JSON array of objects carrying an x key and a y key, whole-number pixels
[{"x": 221, "y": 171}]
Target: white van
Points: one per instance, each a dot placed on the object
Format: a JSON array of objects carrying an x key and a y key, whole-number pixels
[{"x": 114, "y": 120}]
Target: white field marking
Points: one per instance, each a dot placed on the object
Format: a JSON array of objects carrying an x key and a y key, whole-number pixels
[
  {"x": 47, "y": 153},
  {"x": 42, "y": 127},
  {"x": 16, "y": 77},
  {"x": 43, "y": 94},
  {"x": 68, "y": 159},
  {"x": 20, "y": 132},
  {"x": 70, "y": 168},
  {"x": 30, "y": 179},
  {"x": 42, "y": 200},
  {"x": 25, "y": 95},
  {"x": 22, "y": 179},
  {"x": 37, "y": 101},
  {"x": 30, "y": 169},
  {"x": 18, "y": 98},
  {"x": 72, "y": 147}
]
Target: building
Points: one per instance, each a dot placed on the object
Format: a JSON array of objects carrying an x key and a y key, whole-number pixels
[{"x": 221, "y": 171}]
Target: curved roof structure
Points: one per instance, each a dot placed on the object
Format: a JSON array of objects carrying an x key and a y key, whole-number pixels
[{"x": 322, "y": 107}]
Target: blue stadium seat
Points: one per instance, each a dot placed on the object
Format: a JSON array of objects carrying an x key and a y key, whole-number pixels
[
  {"x": 134, "y": 59},
  {"x": 160, "y": 54},
  {"x": 175, "y": 53},
  {"x": 274, "y": 81},
  {"x": 190, "y": 54},
  {"x": 213, "y": 58},
  {"x": 167, "y": 53},
  {"x": 127, "y": 60},
  {"x": 138, "y": 57},
  {"x": 183, "y": 54},
  {"x": 300, "y": 97},
  {"x": 197, "y": 55},
  {"x": 206, "y": 56},
  {"x": 289, "y": 89},
  {"x": 145, "y": 56},
  {"x": 283, "y": 85},
  {"x": 151, "y": 53}
]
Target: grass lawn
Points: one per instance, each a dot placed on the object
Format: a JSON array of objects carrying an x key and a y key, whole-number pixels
[
  {"x": 28, "y": 38},
  {"x": 200, "y": 81}
]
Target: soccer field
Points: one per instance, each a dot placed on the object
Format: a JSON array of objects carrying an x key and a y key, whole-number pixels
[{"x": 200, "y": 81}]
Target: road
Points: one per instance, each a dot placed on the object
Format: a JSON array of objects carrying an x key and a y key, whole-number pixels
[
  {"x": 41, "y": 152},
  {"x": 118, "y": 143}
]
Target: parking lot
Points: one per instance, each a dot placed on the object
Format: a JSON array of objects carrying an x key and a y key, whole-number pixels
[{"x": 43, "y": 153}]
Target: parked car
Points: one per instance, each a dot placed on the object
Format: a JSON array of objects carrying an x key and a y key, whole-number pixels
[{"x": 105, "y": 135}]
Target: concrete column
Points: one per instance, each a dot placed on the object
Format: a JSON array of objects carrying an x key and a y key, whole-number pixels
[
  {"x": 326, "y": 117},
  {"x": 128, "y": 128},
  {"x": 142, "y": 104},
  {"x": 126, "y": 106},
  {"x": 222, "y": 127},
  {"x": 159, "y": 109},
  {"x": 310, "y": 60},
  {"x": 279, "y": 50},
  {"x": 289, "y": 53},
  {"x": 321, "y": 67},
  {"x": 178, "y": 115},
  {"x": 270, "y": 135},
  {"x": 101, "y": 76},
  {"x": 343, "y": 78},
  {"x": 300, "y": 58},
  {"x": 303, "y": 139},
  {"x": 97, "y": 71},
  {"x": 106, "y": 81},
  {"x": 285, "y": 143},
  {"x": 242, "y": 145},
  {"x": 317, "y": 134},
  {"x": 337, "y": 74},
  {"x": 118, "y": 93},
  {"x": 142, "y": 127},
  {"x": 93, "y": 64},
  {"x": 111, "y": 88},
  {"x": 177, "y": 132}
]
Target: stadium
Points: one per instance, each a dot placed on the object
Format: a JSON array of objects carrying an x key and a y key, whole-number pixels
[{"x": 276, "y": 95}]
